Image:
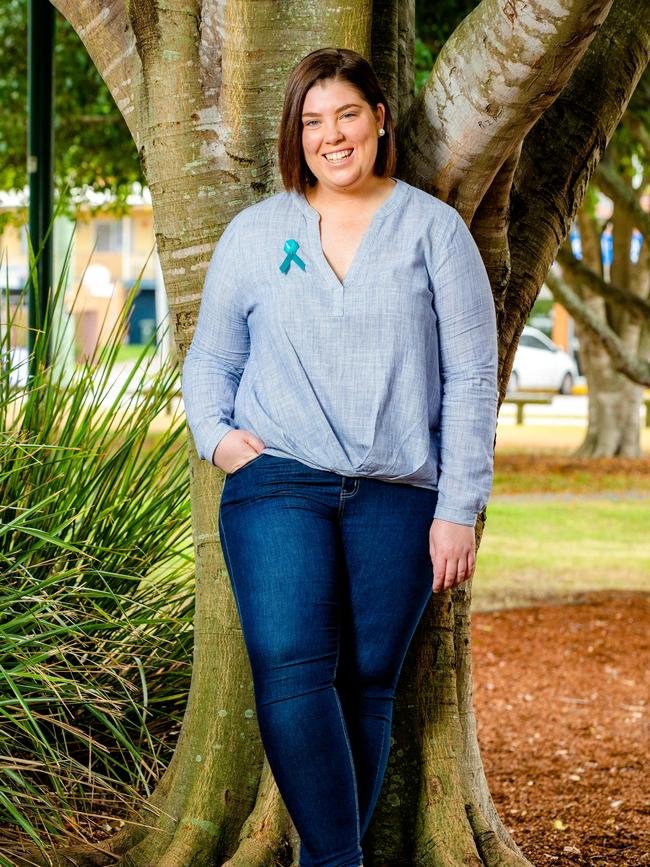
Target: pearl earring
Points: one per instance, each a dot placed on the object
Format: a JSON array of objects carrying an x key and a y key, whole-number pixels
[{"x": 382, "y": 131}]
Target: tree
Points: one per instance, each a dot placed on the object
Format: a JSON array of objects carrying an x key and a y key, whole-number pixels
[
  {"x": 508, "y": 129},
  {"x": 612, "y": 316},
  {"x": 94, "y": 148}
]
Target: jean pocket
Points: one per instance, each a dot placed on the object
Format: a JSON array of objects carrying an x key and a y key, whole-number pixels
[{"x": 247, "y": 464}]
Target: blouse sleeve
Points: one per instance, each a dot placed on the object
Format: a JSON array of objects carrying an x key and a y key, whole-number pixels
[
  {"x": 215, "y": 361},
  {"x": 467, "y": 338}
]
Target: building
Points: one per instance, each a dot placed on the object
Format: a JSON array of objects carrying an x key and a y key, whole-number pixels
[{"x": 109, "y": 254}]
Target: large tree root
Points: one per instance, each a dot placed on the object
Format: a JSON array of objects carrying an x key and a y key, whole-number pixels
[
  {"x": 492, "y": 851},
  {"x": 264, "y": 836}
]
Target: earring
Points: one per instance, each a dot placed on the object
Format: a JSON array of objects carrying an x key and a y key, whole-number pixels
[{"x": 382, "y": 131}]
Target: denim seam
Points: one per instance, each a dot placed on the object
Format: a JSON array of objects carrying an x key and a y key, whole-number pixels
[
  {"x": 387, "y": 731},
  {"x": 346, "y": 495},
  {"x": 345, "y": 733},
  {"x": 226, "y": 553}
]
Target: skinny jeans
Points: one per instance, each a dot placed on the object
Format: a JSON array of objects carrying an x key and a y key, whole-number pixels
[{"x": 331, "y": 575}]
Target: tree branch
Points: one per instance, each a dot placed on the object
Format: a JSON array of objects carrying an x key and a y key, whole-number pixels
[
  {"x": 406, "y": 54},
  {"x": 612, "y": 184},
  {"x": 103, "y": 27},
  {"x": 637, "y": 369},
  {"x": 490, "y": 229},
  {"x": 385, "y": 52},
  {"x": 393, "y": 49},
  {"x": 496, "y": 75},
  {"x": 638, "y": 307},
  {"x": 561, "y": 152},
  {"x": 634, "y": 118}
]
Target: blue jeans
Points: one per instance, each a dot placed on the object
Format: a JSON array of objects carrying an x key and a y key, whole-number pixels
[{"x": 331, "y": 575}]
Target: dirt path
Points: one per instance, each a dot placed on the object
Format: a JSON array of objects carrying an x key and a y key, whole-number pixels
[{"x": 561, "y": 694}]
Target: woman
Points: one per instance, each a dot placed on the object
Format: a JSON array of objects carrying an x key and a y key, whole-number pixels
[{"x": 343, "y": 375}]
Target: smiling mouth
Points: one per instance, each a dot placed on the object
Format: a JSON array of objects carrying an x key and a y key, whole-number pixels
[{"x": 339, "y": 156}]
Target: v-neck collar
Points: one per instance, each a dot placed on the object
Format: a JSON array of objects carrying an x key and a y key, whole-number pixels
[{"x": 312, "y": 217}]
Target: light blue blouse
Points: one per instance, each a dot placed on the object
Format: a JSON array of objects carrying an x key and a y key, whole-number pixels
[{"x": 390, "y": 374}]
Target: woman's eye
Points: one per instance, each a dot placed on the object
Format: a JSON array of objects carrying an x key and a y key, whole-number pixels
[{"x": 347, "y": 114}]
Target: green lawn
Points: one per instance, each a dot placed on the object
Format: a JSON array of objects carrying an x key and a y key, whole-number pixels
[
  {"x": 131, "y": 351},
  {"x": 539, "y": 546}
]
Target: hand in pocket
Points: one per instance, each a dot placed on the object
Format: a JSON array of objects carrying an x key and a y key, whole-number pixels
[{"x": 236, "y": 449}]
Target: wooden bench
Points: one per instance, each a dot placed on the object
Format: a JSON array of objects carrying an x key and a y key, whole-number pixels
[{"x": 520, "y": 399}]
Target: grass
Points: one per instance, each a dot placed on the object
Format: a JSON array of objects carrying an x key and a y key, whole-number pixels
[
  {"x": 534, "y": 548},
  {"x": 132, "y": 351},
  {"x": 559, "y": 526}
]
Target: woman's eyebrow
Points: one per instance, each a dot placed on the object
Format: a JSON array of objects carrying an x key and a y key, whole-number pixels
[{"x": 340, "y": 108}]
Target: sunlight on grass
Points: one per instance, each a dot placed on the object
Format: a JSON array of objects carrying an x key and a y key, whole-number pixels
[
  {"x": 132, "y": 351},
  {"x": 534, "y": 548}
]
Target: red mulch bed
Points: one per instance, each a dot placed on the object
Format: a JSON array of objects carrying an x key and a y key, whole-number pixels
[{"x": 561, "y": 694}]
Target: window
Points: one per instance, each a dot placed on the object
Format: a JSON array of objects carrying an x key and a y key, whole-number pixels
[
  {"x": 534, "y": 342},
  {"x": 22, "y": 237},
  {"x": 108, "y": 235}
]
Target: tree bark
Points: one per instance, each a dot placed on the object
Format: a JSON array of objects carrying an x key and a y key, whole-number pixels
[
  {"x": 614, "y": 428},
  {"x": 559, "y": 157},
  {"x": 202, "y": 84}
]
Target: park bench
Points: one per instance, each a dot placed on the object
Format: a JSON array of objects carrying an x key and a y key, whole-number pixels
[{"x": 520, "y": 399}]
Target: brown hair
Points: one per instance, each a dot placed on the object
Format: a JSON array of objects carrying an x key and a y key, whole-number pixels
[{"x": 321, "y": 64}]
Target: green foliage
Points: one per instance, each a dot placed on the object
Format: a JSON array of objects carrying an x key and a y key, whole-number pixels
[
  {"x": 435, "y": 22},
  {"x": 423, "y": 64},
  {"x": 96, "y": 589},
  {"x": 628, "y": 149},
  {"x": 93, "y": 146}
]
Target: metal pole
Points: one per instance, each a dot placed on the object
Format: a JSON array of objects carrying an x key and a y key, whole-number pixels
[{"x": 40, "y": 152}]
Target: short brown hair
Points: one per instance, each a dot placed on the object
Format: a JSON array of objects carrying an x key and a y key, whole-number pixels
[{"x": 321, "y": 64}]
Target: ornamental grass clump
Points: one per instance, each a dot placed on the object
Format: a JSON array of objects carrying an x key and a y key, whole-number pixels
[{"x": 96, "y": 595}]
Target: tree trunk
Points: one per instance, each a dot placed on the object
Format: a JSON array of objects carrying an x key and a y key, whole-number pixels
[
  {"x": 614, "y": 428},
  {"x": 614, "y": 424},
  {"x": 201, "y": 85}
]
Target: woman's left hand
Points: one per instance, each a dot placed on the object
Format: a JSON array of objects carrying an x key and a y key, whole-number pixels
[{"x": 453, "y": 553}]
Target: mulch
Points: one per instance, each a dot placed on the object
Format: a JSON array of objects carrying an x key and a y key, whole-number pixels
[
  {"x": 561, "y": 696},
  {"x": 558, "y": 472}
]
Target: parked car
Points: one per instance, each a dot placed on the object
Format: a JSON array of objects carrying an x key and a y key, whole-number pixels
[{"x": 539, "y": 363}]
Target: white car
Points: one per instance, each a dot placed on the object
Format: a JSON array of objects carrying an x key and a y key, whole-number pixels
[{"x": 539, "y": 363}]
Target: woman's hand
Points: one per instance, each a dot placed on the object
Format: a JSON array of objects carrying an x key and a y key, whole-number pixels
[
  {"x": 237, "y": 448},
  {"x": 453, "y": 553}
]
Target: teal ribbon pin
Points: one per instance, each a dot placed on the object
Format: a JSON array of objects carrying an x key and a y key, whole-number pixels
[{"x": 291, "y": 248}]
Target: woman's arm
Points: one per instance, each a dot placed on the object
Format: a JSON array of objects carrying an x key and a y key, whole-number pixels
[
  {"x": 467, "y": 337},
  {"x": 468, "y": 350},
  {"x": 220, "y": 347}
]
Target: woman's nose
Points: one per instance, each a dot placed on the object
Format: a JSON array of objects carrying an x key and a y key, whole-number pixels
[{"x": 332, "y": 131}]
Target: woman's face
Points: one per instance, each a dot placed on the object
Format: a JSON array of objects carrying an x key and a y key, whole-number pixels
[{"x": 336, "y": 118}]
